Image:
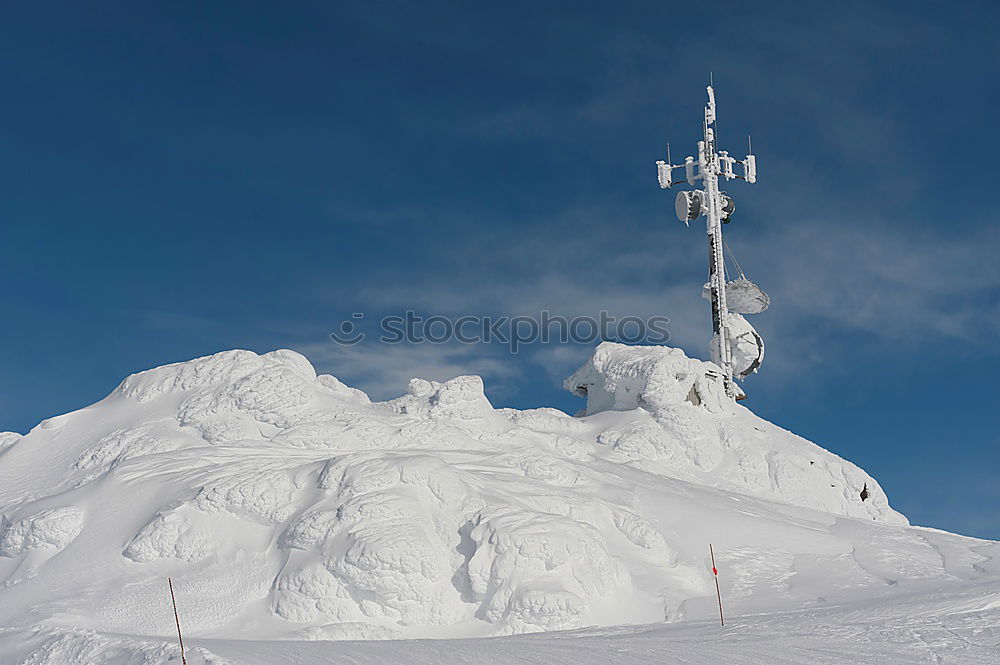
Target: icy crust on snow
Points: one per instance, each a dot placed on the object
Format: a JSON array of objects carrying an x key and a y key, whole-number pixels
[{"x": 272, "y": 494}]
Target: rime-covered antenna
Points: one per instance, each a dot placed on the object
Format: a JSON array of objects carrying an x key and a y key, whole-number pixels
[{"x": 716, "y": 207}]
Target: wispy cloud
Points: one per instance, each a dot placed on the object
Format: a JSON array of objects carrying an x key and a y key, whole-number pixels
[
  {"x": 885, "y": 281},
  {"x": 827, "y": 278},
  {"x": 384, "y": 370}
]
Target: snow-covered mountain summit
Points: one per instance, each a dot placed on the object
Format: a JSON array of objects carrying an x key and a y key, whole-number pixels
[{"x": 288, "y": 505}]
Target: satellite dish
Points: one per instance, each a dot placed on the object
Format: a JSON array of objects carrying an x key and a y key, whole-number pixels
[
  {"x": 745, "y": 297},
  {"x": 742, "y": 296},
  {"x": 688, "y": 206},
  {"x": 746, "y": 347}
]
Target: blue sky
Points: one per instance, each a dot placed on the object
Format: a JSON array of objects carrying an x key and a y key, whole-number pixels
[{"x": 191, "y": 177}]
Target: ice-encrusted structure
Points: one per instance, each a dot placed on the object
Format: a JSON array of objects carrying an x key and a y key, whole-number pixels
[{"x": 287, "y": 504}]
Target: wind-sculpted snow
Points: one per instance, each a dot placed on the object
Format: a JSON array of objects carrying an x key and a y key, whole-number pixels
[
  {"x": 8, "y": 439},
  {"x": 172, "y": 534},
  {"x": 90, "y": 648},
  {"x": 535, "y": 570},
  {"x": 656, "y": 378},
  {"x": 50, "y": 529},
  {"x": 718, "y": 442},
  {"x": 265, "y": 496},
  {"x": 388, "y": 532},
  {"x": 221, "y": 369},
  {"x": 145, "y": 439},
  {"x": 285, "y": 504}
]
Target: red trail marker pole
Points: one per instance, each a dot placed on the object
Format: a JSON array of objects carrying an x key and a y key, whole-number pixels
[
  {"x": 177, "y": 620},
  {"x": 718, "y": 594}
]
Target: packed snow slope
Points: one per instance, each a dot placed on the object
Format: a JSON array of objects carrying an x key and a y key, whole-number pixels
[{"x": 286, "y": 505}]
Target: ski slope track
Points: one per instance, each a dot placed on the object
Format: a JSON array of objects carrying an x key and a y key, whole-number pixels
[{"x": 303, "y": 523}]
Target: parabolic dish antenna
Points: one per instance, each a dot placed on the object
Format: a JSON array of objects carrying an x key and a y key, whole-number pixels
[
  {"x": 689, "y": 206},
  {"x": 742, "y": 296},
  {"x": 745, "y": 297},
  {"x": 746, "y": 347}
]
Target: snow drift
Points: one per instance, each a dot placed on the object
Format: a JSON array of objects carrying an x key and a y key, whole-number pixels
[{"x": 288, "y": 505}]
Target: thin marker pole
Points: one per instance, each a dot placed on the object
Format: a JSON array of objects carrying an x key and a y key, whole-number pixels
[
  {"x": 177, "y": 620},
  {"x": 718, "y": 594}
]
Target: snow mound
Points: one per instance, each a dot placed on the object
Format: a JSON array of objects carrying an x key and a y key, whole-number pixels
[
  {"x": 172, "y": 534},
  {"x": 537, "y": 571},
  {"x": 656, "y": 378},
  {"x": 53, "y": 529},
  {"x": 286, "y": 505},
  {"x": 675, "y": 427}
]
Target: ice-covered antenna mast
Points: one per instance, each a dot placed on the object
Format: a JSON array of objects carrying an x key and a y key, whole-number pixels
[{"x": 717, "y": 207}]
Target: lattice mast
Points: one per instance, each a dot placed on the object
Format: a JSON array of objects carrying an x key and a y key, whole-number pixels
[{"x": 716, "y": 206}]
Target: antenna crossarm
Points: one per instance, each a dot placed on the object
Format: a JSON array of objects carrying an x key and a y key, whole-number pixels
[
  {"x": 666, "y": 172},
  {"x": 720, "y": 164}
]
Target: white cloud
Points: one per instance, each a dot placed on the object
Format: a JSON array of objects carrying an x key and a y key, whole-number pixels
[
  {"x": 384, "y": 370},
  {"x": 828, "y": 279}
]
